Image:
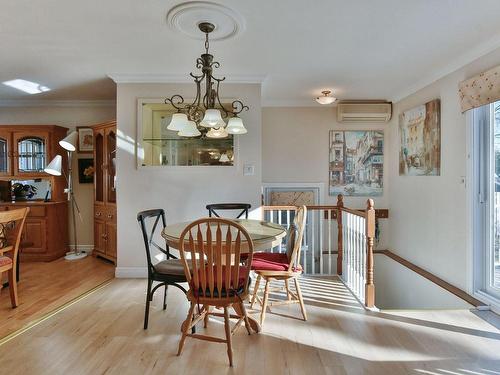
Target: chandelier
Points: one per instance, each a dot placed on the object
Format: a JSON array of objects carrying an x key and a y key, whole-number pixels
[{"x": 205, "y": 116}]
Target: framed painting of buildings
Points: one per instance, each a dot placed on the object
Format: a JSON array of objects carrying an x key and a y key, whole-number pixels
[
  {"x": 420, "y": 138},
  {"x": 356, "y": 163}
]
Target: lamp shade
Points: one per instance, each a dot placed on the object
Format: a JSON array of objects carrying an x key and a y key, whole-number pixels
[
  {"x": 179, "y": 121},
  {"x": 69, "y": 143},
  {"x": 54, "y": 167},
  {"x": 212, "y": 119},
  {"x": 223, "y": 158},
  {"x": 326, "y": 98},
  {"x": 235, "y": 126},
  {"x": 217, "y": 133},
  {"x": 190, "y": 130}
]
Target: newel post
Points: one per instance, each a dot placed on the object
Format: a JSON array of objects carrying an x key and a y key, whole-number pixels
[
  {"x": 340, "y": 254},
  {"x": 370, "y": 235}
]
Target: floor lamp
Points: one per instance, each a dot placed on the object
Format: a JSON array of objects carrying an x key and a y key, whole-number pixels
[{"x": 55, "y": 168}]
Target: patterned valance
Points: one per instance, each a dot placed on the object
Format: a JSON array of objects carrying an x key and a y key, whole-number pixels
[{"x": 480, "y": 90}]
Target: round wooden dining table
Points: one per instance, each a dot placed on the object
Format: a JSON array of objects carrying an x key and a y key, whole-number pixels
[{"x": 264, "y": 235}]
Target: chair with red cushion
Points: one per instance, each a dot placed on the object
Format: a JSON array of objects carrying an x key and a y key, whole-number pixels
[
  {"x": 282, "y": 266},
  {"x": 211, "y": 251},
  {"x": 12, "y": 223}
]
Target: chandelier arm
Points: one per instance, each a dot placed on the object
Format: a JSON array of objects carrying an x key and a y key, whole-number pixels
[
  {"x": 176, "y": 101},
  {"x": 238, "y": 107},
  {"x": 226, "y": 113}
]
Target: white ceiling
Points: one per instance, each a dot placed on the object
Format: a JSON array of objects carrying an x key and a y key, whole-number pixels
[{"x": 361, "y": 49}]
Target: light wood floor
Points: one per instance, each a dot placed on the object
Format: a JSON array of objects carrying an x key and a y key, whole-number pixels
[
  {"x": 44, "y": 287},
  {"x": 103, "y": 334}
]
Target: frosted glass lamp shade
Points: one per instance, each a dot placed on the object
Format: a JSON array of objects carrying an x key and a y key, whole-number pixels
[
  {"x": 212, "y": 119},
  {"x": 223, "y": 158},
  {"x": 190, "y": 130},
  {"x": 235, "y": 126},
  {"x": 326, "y": 98},
  {"x": 54, "y": 167},
  {"x": 179, "y": 121},
  {"x": 69, "y": 143},
  {"x": 217, "y": 133}
]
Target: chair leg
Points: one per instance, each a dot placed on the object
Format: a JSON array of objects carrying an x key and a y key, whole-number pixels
[
  {"x": 186, "y": 325},
  {"x": 264, "y": 304},
  {"x": 288, "y": 295},
  {"x": 148, "y": 300},
  {"x": 228, "y": 336},
  {"x": 255, "y": 290},
  {"x": 245, "y": 318},
  {"x": 165, "y": 297},
  {"x": 13, "y": 288},
  {"x": 301, "y": 300},
  {"x": 205, "y": 319}
]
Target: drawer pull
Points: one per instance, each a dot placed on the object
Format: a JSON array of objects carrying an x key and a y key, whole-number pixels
[
  {"x": 110, "y": 216},
  {"x": 97, "y": 214}
]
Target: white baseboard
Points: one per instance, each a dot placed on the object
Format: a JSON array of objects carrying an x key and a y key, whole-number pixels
[
  {"x": 85, "y": 248},
  {"x": 131, "y": 272}
]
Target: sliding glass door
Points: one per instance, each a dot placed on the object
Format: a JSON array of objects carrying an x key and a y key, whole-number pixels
[{"x": 486, "y": 145}]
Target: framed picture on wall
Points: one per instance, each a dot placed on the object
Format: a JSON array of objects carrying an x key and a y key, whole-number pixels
[
  {"x": 85, "y": 140},
  {"x": 356, "y": 163},
  {"x": 420, "y": 140},
  {"x": 86, "y": 171}
]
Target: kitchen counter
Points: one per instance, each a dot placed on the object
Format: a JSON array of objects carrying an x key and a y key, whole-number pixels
[{"x": 30, "y": 203}]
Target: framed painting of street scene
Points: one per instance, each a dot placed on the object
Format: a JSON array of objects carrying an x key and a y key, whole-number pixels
[
  {"x": 356, "y": 163},
  {"x": 420, "y": 137}
]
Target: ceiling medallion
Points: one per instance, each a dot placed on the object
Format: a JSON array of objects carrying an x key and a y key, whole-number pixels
[
  {"x": 205, "y": 115},
  {"x": 186, "y": 17}
]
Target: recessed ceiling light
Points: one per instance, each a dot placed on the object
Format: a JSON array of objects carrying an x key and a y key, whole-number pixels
[
  {"x": 26, "y": 86},
  {"x": 326, "y": 98}
]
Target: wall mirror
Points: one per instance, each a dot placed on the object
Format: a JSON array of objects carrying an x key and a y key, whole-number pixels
[{"x": 158, "y": 146}]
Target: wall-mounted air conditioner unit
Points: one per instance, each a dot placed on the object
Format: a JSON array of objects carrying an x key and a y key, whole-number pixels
[{"x": 364, "y": 111}]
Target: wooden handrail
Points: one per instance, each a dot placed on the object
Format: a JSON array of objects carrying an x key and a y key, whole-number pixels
[
  {"x": 380, "y": 213},
  {"x": 340, "y": 240}
]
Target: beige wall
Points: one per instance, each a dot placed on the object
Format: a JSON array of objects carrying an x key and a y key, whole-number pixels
[
  {"x": 428, "y": 214},
  {"x": 70, "y": 117},
  {"x": 182, "y": 191},
  {"x": 295, "y": 149}
]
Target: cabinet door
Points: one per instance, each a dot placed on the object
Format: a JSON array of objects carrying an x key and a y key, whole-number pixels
[
  {"x": 110, "y": 164},
  {"x": 33, "y": 237},
  {"x": 111, "y": 239},
  {"x": 6, "y": 153},
  {"x": 99, "y": 180},
  {"x": 99, "y": 236},
  {"x": 30, "y": 153}
]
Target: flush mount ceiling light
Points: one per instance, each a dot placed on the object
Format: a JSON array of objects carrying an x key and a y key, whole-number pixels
[
  {"x": 205, "y": 115},
  {"x": 26, "y": 86},
  {"x": 326, "y": 98}
]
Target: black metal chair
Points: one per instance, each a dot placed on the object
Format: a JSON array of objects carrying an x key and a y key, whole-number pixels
[
  {"x": 244, "y": 207},
  {"x": 167, "y": 272}
]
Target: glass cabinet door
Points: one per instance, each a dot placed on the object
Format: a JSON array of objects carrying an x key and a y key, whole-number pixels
[
  {"x": 31, "y": 153},
  {"x": 98, "y": 165},
  {"x": 5, "y": 153},
  {"x": 111, "y": 165}
]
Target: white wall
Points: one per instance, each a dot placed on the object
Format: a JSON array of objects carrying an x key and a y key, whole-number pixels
[
  {"x": 70, "y": 117},
  {"x": 182, "y": 192},
  {"x": 428, "y": 216},
  {"x": 295, "y": 149}
]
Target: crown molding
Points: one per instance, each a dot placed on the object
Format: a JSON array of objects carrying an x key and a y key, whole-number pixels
[
  {"x": 56, "y": 103},
  {"x": 458, "y": 63},
  {"x": 181, "y": 78}
]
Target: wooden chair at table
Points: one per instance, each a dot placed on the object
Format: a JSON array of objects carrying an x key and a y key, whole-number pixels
[
  {"x": 217, "y": 275},
  {"x": 12, "y": 223},
  {"x": 282, "y": 266},
  {"x": 213, "y": 208}
]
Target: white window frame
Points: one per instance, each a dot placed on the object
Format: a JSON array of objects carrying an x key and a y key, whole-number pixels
[{"x": 480, "y": 169}]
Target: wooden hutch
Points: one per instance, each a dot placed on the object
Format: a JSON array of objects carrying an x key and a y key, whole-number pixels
[
  {"x": 105, "y": 190},
  {"x": 25, "y": 150}
]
